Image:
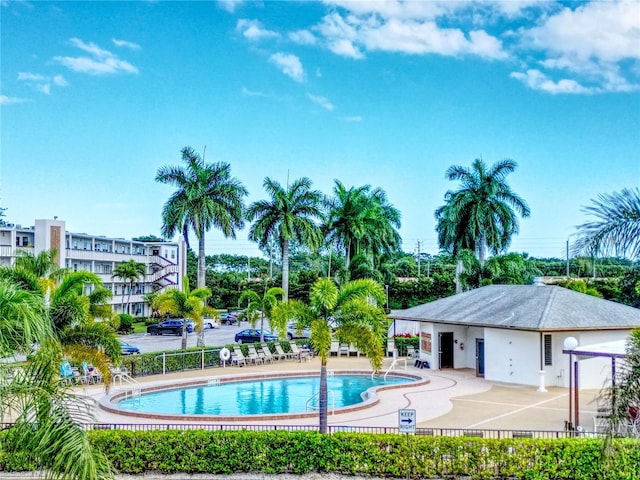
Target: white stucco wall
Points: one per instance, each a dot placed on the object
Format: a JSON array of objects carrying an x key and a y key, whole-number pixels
[{"x": 512, "y": 356}]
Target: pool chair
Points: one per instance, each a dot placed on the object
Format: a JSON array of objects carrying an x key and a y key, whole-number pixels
[
  {"x": 89, "y": 374},
  {"x": 237, "y": 357},
  {"x": 344, "y": 350},
  {"x": 67, "y": 373},
  {"x": 279, "y": 354},
  {"x": 411, "y": 352},
  {"x": 253, "y": 355},
  {"x": 335, "y": 348},
  {"x": 295, "y": 350},
  {"x": 267, "y": 355},
  {"x": 282, "y": 353}
]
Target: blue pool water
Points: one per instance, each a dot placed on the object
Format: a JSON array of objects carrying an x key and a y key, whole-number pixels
[{"x": 256, "y": 397}]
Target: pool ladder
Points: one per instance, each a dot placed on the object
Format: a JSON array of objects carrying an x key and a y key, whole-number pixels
[
  {"x": 331, "y": 400},
  {"x": 133, "y": 390}
]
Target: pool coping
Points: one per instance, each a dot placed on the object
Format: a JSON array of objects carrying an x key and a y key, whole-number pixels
[{"x": 108, "y": 402}]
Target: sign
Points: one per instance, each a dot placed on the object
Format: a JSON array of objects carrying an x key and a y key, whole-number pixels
[
  {"x": 425, "y": 342},
  {"x": 407, "y": 421}
]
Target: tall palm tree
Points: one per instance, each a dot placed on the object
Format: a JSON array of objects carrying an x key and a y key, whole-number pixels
[
  {"x": 261, "y": 306},
  {"x": 289, "y": 214},
  {"x": 362, "y": 221},
  {"x": 483, "y": 212},
  {"x": 35, "y": 398},
  {"x": 187, "y": 304},
  {"x": 129, "y": 272},
  {"x": 617, "y": 229},
  {"x": 356, "y": 309},
  {"x": 207, "y": 196}
]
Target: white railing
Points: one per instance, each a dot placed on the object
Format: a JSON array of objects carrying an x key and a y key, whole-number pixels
[
  {"x": 132, "y": 387},
  {"x": 314, "y": 407},
  {"x": 396, "y": 361}
]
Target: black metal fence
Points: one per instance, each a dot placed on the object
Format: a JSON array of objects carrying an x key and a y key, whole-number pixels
[{"x": 449, "y": 432}]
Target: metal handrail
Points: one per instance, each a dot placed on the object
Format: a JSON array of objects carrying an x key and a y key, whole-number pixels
[{"x": 310, "y": 407}]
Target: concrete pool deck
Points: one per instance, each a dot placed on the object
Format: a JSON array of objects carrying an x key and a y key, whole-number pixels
[{"x": 451, "y": 399}]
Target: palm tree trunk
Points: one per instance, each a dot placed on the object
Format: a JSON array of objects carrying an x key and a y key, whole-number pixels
[
  {"x": 322, "y": 399},
  {"x": 481, "y": 247},
  {"x": 285, "y": 270},
  {"x": 129, "y": 298},
  {"x": 202, "y": 283}
]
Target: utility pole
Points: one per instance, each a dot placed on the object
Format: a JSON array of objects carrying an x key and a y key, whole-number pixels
[
  {"x": 248, "y": 268},
  {"x": 567, "y": 258},
  {"x": 418, "y": 258}
]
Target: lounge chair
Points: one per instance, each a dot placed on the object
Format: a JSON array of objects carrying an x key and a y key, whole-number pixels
[
  {"x": 282, "y": 353},
  {"x": 279, "y": 355},
  {"x": 411, "y": 352},
  {"x": 237, "y": 357},
  {"x": 335, "y": 348},
  {"x": 268, "y": 356},
  {"x": 253, "y": 355},
  {"x": 344, "y": 350}
]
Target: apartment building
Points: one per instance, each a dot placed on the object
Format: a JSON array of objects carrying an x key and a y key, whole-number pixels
[{"x": 166, "y": 264}]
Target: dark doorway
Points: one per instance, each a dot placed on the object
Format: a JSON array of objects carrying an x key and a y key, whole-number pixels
[
  {"x": 479, "y": 357},
  {"x": 445, "y": 343}
]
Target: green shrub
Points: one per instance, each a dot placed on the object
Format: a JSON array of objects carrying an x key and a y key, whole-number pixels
[{"x": 354, "y": 454}]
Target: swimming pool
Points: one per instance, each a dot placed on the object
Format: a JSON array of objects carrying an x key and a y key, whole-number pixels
[{"x": 262, "y": 396}]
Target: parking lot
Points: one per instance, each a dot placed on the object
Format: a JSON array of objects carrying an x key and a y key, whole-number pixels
[{"x": 215, "y": 337}]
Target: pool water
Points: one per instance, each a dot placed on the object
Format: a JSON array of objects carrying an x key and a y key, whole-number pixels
[{"x": 257, "y": 397}]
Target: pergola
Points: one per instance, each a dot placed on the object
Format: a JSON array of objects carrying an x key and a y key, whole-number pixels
[{"x": 612, "y": 350}]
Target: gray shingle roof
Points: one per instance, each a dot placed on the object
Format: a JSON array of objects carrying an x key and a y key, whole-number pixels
[{"x": 526, "y": 307}]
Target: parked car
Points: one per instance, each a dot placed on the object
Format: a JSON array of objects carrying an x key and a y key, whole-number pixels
[
  {"x": 292, "y": 331},
  {"x": 251, "y": 335},
  {"x": 170, "y": 327},
  {"x": 210, "y": 323},
  {"x": 228, "y": 318},
  {"x": 128, "y": 349}
]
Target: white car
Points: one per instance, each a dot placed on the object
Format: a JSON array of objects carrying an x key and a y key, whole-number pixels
[
  {"x": 210, "y": 323},
  {"x": 292, "y": 332}
]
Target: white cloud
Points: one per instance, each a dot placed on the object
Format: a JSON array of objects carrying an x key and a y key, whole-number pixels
[
  {"x": 5, "y": 100},
  {"x": 60, "y": 81},
  {"x": 42, "y": 83},
  {"x": 322, "y": 101},
  {"x": 100, "y": 62},
  {"x": 252, "y": 93},
  {"x": 349, "y": 35},
  {"x": 598, "y": 42},
  {"x": 537, "y": 80},
  {"x": 289, "y": 64},
  {"x": 303, "y": 37},
  {"x": 355, "y": 118},
  {"x": 126, "y": 44},
  {"x": 253, "y": 30},
  {"x": 230, "y": 5}
]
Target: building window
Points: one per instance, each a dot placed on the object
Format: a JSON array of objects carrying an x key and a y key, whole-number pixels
[
  {"x": 25, "y": 241},
  {"x": 548, "y": 351}
]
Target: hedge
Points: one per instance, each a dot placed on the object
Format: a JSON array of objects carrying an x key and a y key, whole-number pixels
[{"x": 379, "y": 455}]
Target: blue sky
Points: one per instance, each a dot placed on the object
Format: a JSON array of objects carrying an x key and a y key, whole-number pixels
[{"x": 96, "y": 96}]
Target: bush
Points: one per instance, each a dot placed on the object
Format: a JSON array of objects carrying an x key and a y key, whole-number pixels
[
  {"x": 126, "y": 323},
  {"x": 224, "y": 452}
]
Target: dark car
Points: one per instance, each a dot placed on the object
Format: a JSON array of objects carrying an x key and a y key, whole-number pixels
[
  {"x": 228, "y": 318},
  {"x": 128, "y": 349},
  {"x": 251, "y": 335},
  {"x": 169, "y": 327}
]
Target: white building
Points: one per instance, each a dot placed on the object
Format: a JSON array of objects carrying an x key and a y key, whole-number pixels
[
  {"x": 166, "y": 264},
  {"x": 512, "y": 333}
]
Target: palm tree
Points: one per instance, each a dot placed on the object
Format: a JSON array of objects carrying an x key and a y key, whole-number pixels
[
  {"x": 288, "y": 215},
  {"x": 187, "y": 304},
  {"x": 482, "y": 213},
  {"x": 624, "y": 392},
  {"x": 617, "y": 229},
  {"x": 35, "y": 397},
  {"x": 261, "y": 306},
  {"x": 206, "y": 196},
  {"x": 72, "y": 312},
  {"x": 129, "y": 272},
  {"x": 356, "y": 309},
  {"x": 361, "y": 221}
]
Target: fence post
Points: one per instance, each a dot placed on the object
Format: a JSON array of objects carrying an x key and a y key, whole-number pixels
[
  {"x": 202, "y": 359},
  {"x": 164, "y": 362}
]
